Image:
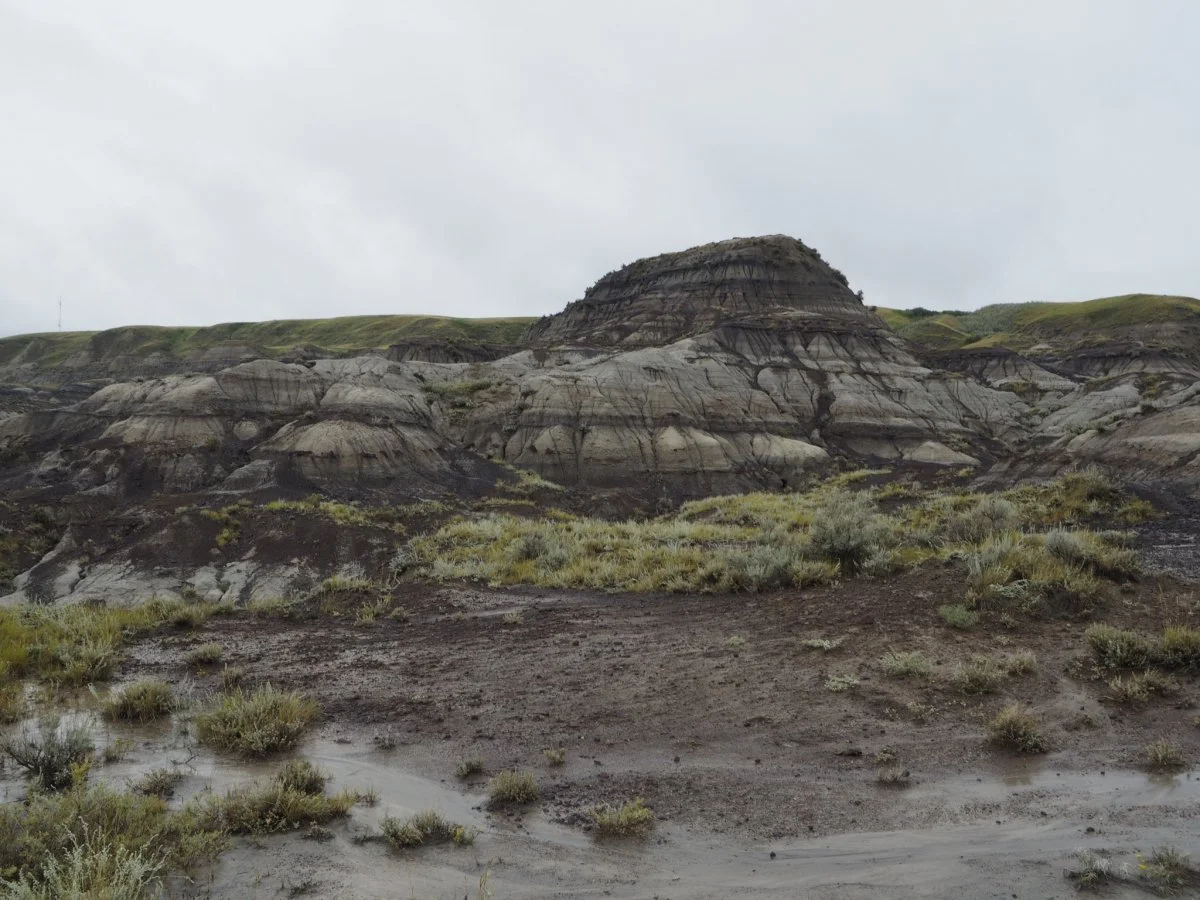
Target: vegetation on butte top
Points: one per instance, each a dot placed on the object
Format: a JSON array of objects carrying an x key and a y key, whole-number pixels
[{"x": 1163, "y": 321}]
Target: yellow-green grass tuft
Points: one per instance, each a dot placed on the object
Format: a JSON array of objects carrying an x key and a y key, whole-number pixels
[{"x": 254, "y": 724}]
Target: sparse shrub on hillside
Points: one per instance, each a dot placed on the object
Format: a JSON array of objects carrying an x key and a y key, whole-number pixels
[
  {"x": 847, "y": 529},
  {"x": 979, "y": 676},
  {"x": 907, "y": 664},
  {"x": 512, "y": 789},
  {"x": 958, "y": 616},
  {"x": 1017, "y": 728},
  {"x": 1179, "y": 647},
  {"x": 841, "y": 683},
  {"x": 1022, "y": 662},
  {"x": 1117, "y": 648},
  {"x": 991, "y": 515},
  {"x": 1163, "y": 756},
  {"x": 1140, "y": 686},
  {"x": 204, "y": 655}
]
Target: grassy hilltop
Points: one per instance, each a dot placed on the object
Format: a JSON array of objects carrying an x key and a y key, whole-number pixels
[
  {"x": 338, "y": 335},
  {"x": 1154, "y": 318}
]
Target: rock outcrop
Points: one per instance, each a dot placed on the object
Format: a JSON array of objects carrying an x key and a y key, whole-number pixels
[
  {"x": 662, "y": 299},
  {"x": 744, "y": 363}
]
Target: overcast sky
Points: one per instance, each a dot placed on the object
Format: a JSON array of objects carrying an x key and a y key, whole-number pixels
[{"x": 192, "y": 163}]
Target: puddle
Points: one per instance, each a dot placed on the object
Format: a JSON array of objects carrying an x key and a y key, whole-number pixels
[
  {"x": 528, "y": 856},
  {"x": 1111, "y": 789}
]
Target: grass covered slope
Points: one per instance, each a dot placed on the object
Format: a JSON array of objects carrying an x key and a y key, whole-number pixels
[
  {"x": 273, "y": 338},
  {"x": 1024, "y": 549},
  {"x": 1157, "y": 319}
]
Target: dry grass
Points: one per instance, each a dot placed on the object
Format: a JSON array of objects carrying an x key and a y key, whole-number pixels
[
  {"x": 633, "y": 819},
  {"x": 1016, "y": 728},
  {"x": 906, "y": 664},
  {"x": 292, "y": 799},
  {"x": 424, "y": 828},
  {"x": 142, "y": 701},
  {"x": 469, "y": 768},
  {"x": 754, "y": 542},
  {"x": 1141, "y": 686},
  {"x": 80, "y": 644},
  {"x": 1115, "y": 648},
  {"x": 1163, "y": 756},
  {"x": 158, "y": 783},
  {"x": 510, "y": 788},
  {"x": 979, "y": 676}
]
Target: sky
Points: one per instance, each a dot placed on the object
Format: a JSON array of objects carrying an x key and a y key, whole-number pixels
[{"x": 193, "y": 163}]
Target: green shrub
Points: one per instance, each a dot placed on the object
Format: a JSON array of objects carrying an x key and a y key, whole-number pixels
[
  {"x": 1139, "y": 687},
  {"x": 555, "y": 757},
  {"x": 841, "y": 683},
  {"x": 266, "y": 808},
  {"x": 425, "y": 827},
  {"x": 204, "y": 655},
  {"x": 908, "y": 664},
  {"x": 158, "y": 783},
  {"x": 847, "y": 529},
  {"x": 1180, "y": 647},
  {"x": 301, "y": 775},
  {"x": 1115, "y": 648},
  {"x": 50, "y": 826},
  {"x": 634, "y": 819},
  {"x": 469, "y": 767},
  {"x": 1017, "y": 728},
  {"x": 142, "y": 701},
  {"x": 1167, "y": 869},
  {"x": 1162, "y": 756},
  {"x": 92, "y": 868},
  {"x": 989, "y": 516},
  {"x": 512, "y": 788},
  {"x": 979, "y": 676},
  {"x": 1022, "y": 662},
  {"x": 958, "y": 616},
  {"x": 256, "y": 724},
  {"x": 50, "y": 756}
]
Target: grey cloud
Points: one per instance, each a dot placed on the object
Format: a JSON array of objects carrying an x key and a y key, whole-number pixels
[{"x": 179, "y": 163}]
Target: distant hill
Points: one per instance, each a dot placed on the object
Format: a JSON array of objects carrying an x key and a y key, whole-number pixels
[
  {"x": 1153, "y": 319},
  {"x": 126, "y": 346}
]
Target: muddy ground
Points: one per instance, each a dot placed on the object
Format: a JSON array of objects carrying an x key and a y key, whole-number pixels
[{"x": 739, "y": 747}]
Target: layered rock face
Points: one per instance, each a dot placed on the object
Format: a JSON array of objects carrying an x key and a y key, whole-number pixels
[
  {"x": 745, "y": 363},
  {"x": 659, "y": 300}
]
